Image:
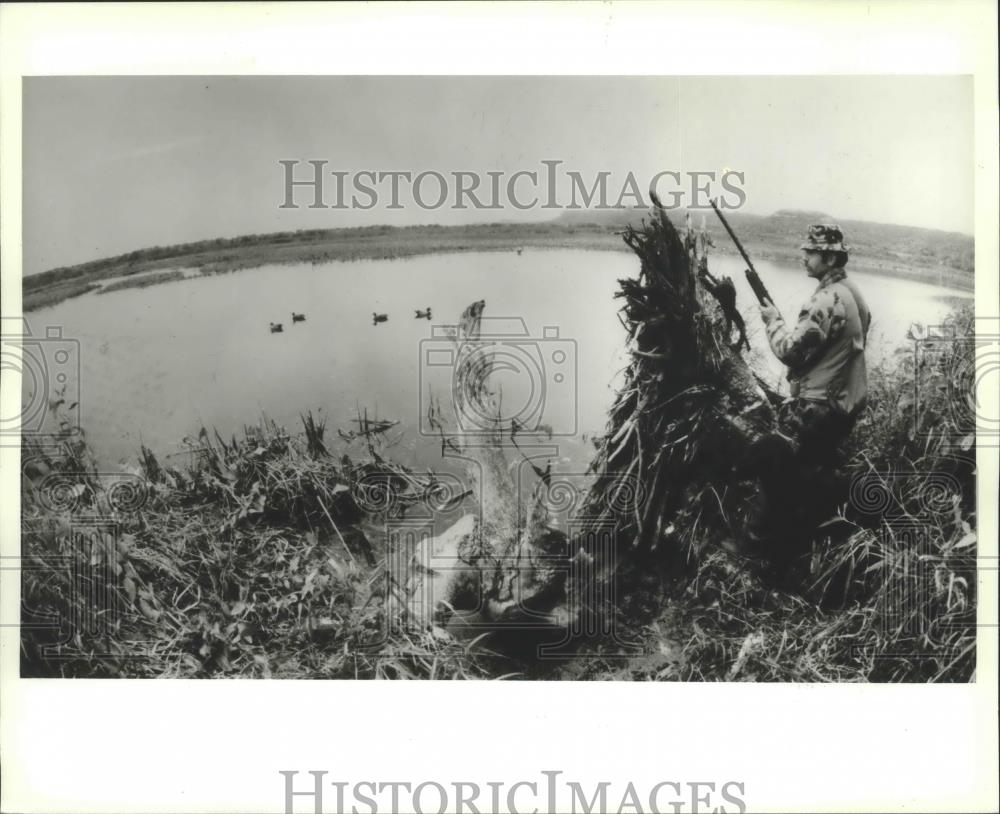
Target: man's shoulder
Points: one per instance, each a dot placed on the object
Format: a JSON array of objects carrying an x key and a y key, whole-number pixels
[
  {"x": 851, "y": 285},
  {"x": 824, "y": 297},
  {"x": 855, "y": 293}
]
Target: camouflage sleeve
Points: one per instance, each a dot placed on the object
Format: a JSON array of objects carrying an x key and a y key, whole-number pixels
[{"x": 820, "y": 320}]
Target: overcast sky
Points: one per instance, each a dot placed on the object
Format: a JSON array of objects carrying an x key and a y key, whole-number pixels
[{"x": 117, "y": 164}]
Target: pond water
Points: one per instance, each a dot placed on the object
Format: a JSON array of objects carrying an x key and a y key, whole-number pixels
[{"x": 157, "y": 363}]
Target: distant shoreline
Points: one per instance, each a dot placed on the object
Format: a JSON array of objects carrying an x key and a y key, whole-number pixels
[{"x": 771, "y": 239}]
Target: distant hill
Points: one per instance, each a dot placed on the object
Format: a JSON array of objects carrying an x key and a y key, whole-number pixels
[
  {"x": 879, "y": 247},
  {"x": 943, "y": 258},
  {"x": 817, "y": 217}
]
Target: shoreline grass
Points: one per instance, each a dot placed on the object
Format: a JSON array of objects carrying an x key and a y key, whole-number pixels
[
  {"x": 154, "y": 278},
  {"x": 266, "y": 557},
  {"x": 887, "y": 594}
]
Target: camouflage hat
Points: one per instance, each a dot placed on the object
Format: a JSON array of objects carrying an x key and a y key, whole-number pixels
[{"x": 824, "y": 237}]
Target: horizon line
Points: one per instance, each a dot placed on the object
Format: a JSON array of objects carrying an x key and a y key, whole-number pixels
[{"x": 552, "y": 220}]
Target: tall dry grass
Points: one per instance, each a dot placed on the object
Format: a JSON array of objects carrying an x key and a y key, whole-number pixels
[
  {"x": 264, "y": 556},
  {"x": 261, "y": 558},
  {"x": 885, "y": 591}
]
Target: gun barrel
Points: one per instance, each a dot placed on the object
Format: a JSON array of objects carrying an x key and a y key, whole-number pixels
[{"x": 732, "y": 234}]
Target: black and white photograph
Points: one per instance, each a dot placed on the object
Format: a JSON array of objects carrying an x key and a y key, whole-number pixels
[
  {"x": 528, "y": 378},
  {"x": 521, "y": 377}
]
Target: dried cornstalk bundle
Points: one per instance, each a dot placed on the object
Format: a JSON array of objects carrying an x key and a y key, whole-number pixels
[{"x": 690, "y": 404}]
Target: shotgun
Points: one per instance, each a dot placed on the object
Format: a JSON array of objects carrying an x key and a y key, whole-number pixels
[{"x": 759, "y": 290}]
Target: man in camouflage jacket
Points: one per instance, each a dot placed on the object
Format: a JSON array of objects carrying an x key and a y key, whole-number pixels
[{"x": 824, "y": 351}]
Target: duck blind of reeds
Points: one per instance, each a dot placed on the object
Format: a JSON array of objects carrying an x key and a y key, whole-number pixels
[{"x": 689, "y": 404}]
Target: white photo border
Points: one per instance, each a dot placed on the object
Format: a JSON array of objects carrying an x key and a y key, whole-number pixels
[{"x": 183, "y": 746}]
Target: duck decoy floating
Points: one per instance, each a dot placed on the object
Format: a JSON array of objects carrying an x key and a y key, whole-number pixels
[
  {"x": 377, "y": 318},
  {"x": 423, "y": 314},
  {"x": 276, "y": 328},
  {"x": 298, "y": 317}
]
